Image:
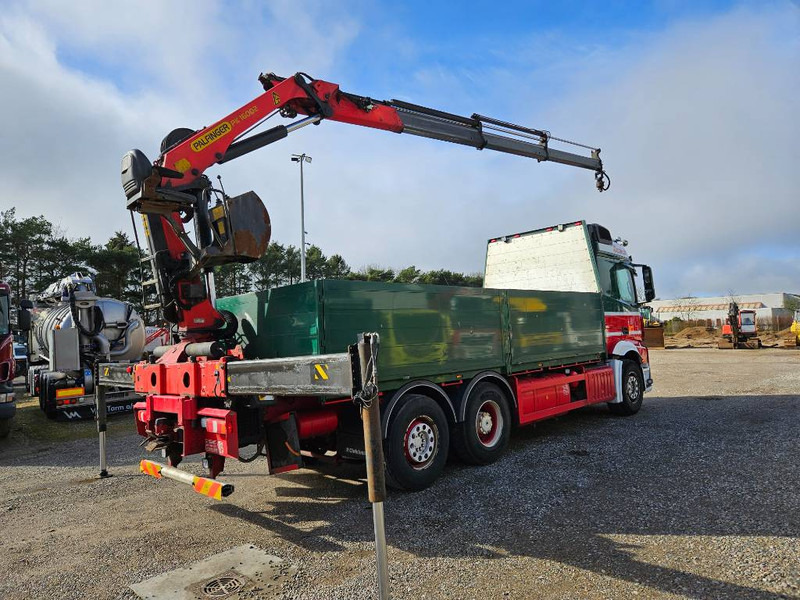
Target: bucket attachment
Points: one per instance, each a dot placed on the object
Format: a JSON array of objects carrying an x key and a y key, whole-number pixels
[{"x": 240, "y": 229}]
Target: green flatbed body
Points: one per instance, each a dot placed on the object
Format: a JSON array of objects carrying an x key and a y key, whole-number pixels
[{"x": 433, "y": 332}]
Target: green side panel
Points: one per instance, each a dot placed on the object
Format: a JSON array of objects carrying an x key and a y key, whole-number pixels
[
  {"x": 549, "y": 328},
  {"x": 279, "y": 322},
  {"x": 250, "y": 310},
  {"x": 292, "y": 321},
  {"x": 427, "y": 331}
]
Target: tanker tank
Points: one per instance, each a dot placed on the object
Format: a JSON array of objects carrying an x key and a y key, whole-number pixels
[{"x": 72, "y": 330}]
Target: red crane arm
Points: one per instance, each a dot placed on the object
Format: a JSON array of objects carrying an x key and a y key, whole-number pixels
[
  {"x": 210, "y": 145},
  {"x": 173, "y": 189}
]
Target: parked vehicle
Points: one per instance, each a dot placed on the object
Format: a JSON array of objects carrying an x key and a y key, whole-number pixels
[
  {"x": 20, "y": 359},
  {"x": 556, "y": 327},
  {"x": 740, "y": 330},
  {"x": 72, "y": 328},
  {"x": 202, "y": 396},
  {"x": 8, "y": 405}
]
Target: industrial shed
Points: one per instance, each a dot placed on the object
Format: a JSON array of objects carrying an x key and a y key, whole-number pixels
[{"x": 773, "y": 311}]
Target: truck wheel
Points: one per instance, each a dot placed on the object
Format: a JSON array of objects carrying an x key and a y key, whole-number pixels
[
  {"x": 417, "y": 445},
  {"x": 38, "y": 388},
  {"x": 632, "y": 390},
  {"x": 483, "y": 436},
  {"x": 5, "y": 428},
  {"x": 48, "y": 387}
]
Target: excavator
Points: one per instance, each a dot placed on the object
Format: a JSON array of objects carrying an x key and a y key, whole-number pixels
[
  {"x": 741, "y": 330},
  {"x": 184, "y": 382}
]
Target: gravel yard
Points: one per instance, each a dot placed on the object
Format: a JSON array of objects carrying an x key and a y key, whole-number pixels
[{"x": 696, "y": 496}]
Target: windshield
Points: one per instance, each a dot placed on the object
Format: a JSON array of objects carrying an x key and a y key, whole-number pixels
[
  {"x": 747, "y": 319},
  {"x": 616, "y": 280},
  {"x": 4, "y": 324}
]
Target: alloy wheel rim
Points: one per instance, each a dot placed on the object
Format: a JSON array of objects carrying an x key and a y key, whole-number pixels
[{"x": 420, "y": 442}]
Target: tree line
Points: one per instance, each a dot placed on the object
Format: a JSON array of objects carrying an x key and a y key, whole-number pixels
[{"x": 35, "y": 253}]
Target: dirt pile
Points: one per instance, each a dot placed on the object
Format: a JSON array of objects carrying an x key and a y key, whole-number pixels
[{"x": 691, "y": 337}]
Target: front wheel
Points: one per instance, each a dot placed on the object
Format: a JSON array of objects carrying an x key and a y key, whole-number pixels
[
  {"x": 417, "y": 445},
  {"x": 632, "y": 390},
  {"x": 483, "y": 436}
]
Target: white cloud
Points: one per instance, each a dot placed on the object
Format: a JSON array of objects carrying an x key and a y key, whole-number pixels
[
  {"x": 697, "y": 125},
  {"x": 698, "y": 128}
]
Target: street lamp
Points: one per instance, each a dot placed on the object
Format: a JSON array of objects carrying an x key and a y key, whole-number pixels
[{"x": 301, "y": 158}]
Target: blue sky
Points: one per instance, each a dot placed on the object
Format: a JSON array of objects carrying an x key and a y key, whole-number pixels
[{"x": 693, "y": 103}]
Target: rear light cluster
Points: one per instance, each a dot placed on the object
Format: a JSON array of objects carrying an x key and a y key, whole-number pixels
[{"x": 66, "y": 401}]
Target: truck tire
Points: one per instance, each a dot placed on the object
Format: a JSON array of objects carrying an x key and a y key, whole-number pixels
[
  {"x": 5, "y": 428},
  {"x": 417, "y": 445},
  {"x": 483, "y": 436},
  {"x": 48, "y": 387},
  {"x": 40, "y": 388},
  {"x": 632, "y": 390}
]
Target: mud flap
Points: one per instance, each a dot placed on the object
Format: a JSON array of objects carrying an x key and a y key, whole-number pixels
[
  {"x": 283, "y": 446},
  {"x": 83, "y": 412}
]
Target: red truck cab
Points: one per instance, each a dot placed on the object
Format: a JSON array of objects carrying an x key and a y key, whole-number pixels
[{"x": 7, "y": 401}]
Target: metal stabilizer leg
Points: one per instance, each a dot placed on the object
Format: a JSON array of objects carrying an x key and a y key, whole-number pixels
[
  {"x": 380, "y": 550},
  {"x": 373, "y": 445},
  {"x": 101, "y": 418}
]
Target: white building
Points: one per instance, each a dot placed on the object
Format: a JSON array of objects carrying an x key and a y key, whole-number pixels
[{"x": 773, "y": 311}]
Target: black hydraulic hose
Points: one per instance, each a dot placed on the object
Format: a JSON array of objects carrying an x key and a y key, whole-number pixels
[{"x": 98, "y": 320}]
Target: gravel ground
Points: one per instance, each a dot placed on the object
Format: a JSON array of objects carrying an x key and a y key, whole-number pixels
[{"x": 696, "y": 496}]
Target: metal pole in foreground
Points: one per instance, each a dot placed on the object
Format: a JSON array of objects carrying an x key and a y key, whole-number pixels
[
  {"x": 101, "y": 418},
  {"x": 373, "y": 445},
  {"x": 301, "y": 158}
]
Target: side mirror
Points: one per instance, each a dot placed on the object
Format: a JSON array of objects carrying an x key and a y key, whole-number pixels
[
  {"x": 23, "y": 318},
  {"x": 647, "y": 279}
]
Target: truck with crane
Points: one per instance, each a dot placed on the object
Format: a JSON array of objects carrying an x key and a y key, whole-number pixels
[
  {"x": 531, "y": 344},
  {"x": 556, "y": 327}
]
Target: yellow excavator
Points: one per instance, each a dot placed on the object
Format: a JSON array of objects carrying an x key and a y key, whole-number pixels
[
  {"x": 793, "y": 338},
  {"x": 653, "y": 334}
]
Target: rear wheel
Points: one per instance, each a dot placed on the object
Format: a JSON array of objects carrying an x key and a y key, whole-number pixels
[
  {"x": 417, "y": 445},
  {"x": 483, "y": 436},
  {"x": 47, "y": 395},
  {"x": 48, "y": 387},
  {"x": 632, "y": 390}
]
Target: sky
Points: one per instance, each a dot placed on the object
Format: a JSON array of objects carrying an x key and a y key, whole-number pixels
[{"x": 694, "y": 105}]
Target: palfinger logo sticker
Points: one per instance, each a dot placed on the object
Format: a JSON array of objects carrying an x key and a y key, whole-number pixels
[
  {"x": 320, "y": 372},
  {"x": 276, "y": 99},
  {"x": 209, "y": 137}
]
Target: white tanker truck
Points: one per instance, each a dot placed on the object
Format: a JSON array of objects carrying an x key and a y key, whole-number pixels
[{"x": 72, "y": 329}]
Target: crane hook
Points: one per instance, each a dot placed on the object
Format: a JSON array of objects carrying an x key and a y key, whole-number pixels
[{"x": 602, "y": 180}]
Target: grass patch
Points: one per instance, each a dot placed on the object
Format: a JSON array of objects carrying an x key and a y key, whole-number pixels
[{"x": 31, "y": 423}]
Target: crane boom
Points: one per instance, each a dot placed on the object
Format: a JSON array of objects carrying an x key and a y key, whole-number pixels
[{"x": 173, "y": 189}]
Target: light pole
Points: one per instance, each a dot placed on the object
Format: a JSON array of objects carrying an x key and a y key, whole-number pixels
[{"x": 301, "y": 158}]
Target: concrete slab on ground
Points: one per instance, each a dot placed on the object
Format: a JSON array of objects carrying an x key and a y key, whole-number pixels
[{"x": 239, "y": 573}]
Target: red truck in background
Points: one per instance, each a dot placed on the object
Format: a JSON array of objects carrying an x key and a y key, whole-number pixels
[{"x": 7, "y": 402}]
